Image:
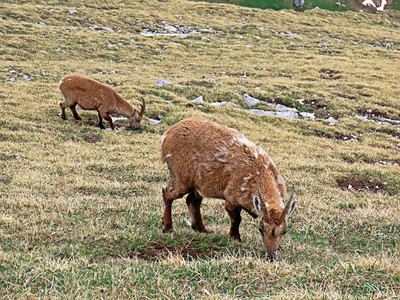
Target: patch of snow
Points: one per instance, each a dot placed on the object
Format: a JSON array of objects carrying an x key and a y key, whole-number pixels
[
  {"x": 118, "y": 118},
  {"x": 382, "y": 7},
  {"x": 221, "y": 103},
  {"x": 390, "y": 121},
  {"x": 108, "y": 29},
  {"x": 154, "y": 121},
  {"x": 72, "y": 11},
  {"x": 331, "y": 120},
  {"x": 369, "y": 3},
  {"x": 197, "y": 100}
]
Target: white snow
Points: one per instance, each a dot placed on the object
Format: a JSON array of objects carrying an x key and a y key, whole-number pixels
[
  {"x": 197, "y": 100},
  {"x": 154, "y": 121},
  {"x": 382, "y": 7},
  {"x": 369, "y": 3},
  {"x": 221, "y": 103}
]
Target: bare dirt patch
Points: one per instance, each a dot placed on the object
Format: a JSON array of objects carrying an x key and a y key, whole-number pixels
[
  {"x": 372, "y": 113},
  {"x": 330, "y": 74},
  {"x": 160, "y": 250},
  {"x": 92, "y": 138},
  {"x": 330, "y": 134},
  {"x": 92, "y": 122},
  {"x": 362, "y": 185},
  {"x": 316, "y": 103}
]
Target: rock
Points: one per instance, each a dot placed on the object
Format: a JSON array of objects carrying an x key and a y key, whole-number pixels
[
  {"x": 162, "y": 82},
  {"x": 307, "y": 115},
  {"x": 284, "y": 114},
  {"x": 281, "y": 107},
  {"x": 250, "y": 101},
  {"x": 260, "y": 112}
]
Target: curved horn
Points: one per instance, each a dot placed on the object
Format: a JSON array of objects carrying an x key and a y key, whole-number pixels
[
  {"x": 143, "y": 105},
  {"x": 262, "y": 202},
  {"x": 287, "y": 207}
]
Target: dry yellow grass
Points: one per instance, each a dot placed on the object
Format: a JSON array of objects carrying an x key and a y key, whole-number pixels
[{"x": 79, "y": 207}]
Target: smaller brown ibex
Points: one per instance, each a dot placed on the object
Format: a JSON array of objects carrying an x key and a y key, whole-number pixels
[
  {"x": 90, "y": 94},
  {"x": 206, "y": 159}
]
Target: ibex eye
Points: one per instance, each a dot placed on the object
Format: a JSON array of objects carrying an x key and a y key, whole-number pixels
[{"x": 261, "y": 230}]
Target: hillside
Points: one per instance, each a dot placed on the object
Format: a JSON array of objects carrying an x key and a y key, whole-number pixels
[
  {"x": 372, "y": 6},
  {"x": 80, "y": 207}
]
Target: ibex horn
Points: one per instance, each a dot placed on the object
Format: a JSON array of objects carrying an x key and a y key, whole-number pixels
[
  {"x": 143, "y": 107},
  {"x": 262, "y": 203},
  {"x": 287, "y": 206}
]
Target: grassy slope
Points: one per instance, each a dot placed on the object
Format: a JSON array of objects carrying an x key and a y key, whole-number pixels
[{"x": 78, "y": 205}]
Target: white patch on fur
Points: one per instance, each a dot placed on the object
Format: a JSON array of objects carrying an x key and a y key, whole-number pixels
[
  {"x": 280, "y": 180},
  {"x": 221, "y": 154},
  {"x": 247, "y": 178},
  {"x": 242, "y": 189},
  {"x": 272, "y": 162},
  {"x": 282, "y": 204},
  {"x": 60, "y": 83},
  {"x": 168, "y": 155},
  {"x": 255, "y": 153},
  {"x": 242, "y": 140},
  {"x": 261, "y": 152},
  {"x": 206, "y": 166},
  {"x": 163, "y": 138}
]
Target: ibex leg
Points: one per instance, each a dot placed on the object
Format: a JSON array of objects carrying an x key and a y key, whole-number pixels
[
  {"x": 193, "y": 202},
  {"x": 234, "y": 214},
  {"x": 76, "y": 116},
  {"x": 170, "y": 193}
]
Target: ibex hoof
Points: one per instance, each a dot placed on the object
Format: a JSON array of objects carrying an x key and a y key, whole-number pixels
[{"x": 168, "y": 230}]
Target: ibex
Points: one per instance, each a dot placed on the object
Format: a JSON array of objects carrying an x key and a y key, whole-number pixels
[
  {"x": 90, "y": 94},
  {"x": 206, "y": 159}
]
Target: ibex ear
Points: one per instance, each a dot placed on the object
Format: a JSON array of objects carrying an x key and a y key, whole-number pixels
[
  {"x": 292, "y": 207},
  {"x": 256, "y": 203}
]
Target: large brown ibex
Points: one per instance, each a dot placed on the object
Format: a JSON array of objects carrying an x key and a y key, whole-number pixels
[
  {"x": 90, "y": 94},
  {"x": 206, "y": 159}
]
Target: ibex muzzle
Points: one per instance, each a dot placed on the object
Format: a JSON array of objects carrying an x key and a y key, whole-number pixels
[{"x": 271, "y": 226}]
